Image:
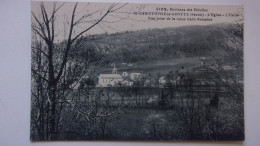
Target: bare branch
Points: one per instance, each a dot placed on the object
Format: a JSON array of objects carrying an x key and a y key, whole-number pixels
[
  {"x": 35, "y": 72},
  {"x": 90, "y": 26},
  {"x": 40, "y": 51},
  {"x": 43, "y": 35},
  {"x": 45, "y": 20},
  {"x": 44, "y": 38},
  {"x": 52, "y": 22},
  {"x": 84, "y": 16},
  {"x": 68, "y": 44},
  {"x": 118, "y": 7}
]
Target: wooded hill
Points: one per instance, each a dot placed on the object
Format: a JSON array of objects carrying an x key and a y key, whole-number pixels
[{"x": 158, "y": 44}]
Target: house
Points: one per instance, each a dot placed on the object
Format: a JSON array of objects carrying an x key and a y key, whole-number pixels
[
  {"x": 124, "y": 74},
  {"x": 135, "y": 76},
  {"x": 123, "y": 64},
  {"x": 227, "y": 67},
  {"x": 127, "y": 83},
  {"x": 130, "y": 64},
  {"x": 203, "y": 60},
  {"x": 162, "y": 81}
]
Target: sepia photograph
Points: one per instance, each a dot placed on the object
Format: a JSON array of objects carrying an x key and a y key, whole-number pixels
[{"x": 136, "y": 72}]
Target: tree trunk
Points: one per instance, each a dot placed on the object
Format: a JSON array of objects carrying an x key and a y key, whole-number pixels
[
  {"x": 52, "y": 113},
  {"x": 52, "y": 85}
]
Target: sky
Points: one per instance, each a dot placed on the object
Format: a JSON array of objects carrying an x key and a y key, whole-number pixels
[{"x": 131, "y": 17}]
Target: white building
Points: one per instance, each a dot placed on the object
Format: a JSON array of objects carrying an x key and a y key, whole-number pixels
[
  {"x": 162, "y": 80},
  {"x": 105, "y": 80},
  {"x": 135, "y": 76},
  {"x": 127, "y": 83},
  {"x": 125, "y": 74},
  {"x": 227, "y": 67}
]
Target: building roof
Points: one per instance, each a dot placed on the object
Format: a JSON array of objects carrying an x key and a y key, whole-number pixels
[
  {"x": 161, "y": 78},
  {"x": 135, "y": 73},
  {"x": 227, "y": 67},
  {"x": 110, "y": 76}
]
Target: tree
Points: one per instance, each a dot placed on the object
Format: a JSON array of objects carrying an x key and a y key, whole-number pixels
[
  {"x": 154, "y": 124},
  {"x": 56, "y": 70},
  {"x": 230, "y": 66}
]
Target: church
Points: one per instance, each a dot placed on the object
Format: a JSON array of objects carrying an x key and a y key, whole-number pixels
[{"x": 105, "y": 80}]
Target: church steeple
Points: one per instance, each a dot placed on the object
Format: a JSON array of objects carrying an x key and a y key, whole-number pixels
[{"x": 114, "y": 71}]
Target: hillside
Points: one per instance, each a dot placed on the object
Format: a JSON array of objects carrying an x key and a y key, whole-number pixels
[{"x": 158, "y": 44}]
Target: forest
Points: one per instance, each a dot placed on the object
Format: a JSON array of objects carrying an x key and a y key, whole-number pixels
[{"x": 157, "y": 44}]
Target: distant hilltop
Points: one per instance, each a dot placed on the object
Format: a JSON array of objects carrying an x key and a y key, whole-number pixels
[{"x": 156, "y": 44}]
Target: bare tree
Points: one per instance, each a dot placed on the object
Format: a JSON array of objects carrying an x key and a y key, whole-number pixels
[
  {"x": 229, "y": 67},
  {"x": 54, "y": 71},
  {"x": 235, "y": 56}
]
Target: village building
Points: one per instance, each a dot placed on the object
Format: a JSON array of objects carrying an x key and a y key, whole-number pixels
[
  {"x": 130, "y": 64},
  {"x": 162, "y": 81},
  {"x": 105, "y": 80},
  {"x": 124, "y": 74},
  {"x": 127, "y": 83},
  {"x": 203, "y": 61},
  {"x": 116, "y": 79},
  {"x": 228, "y": 67},
  {"x": 135, "y": 76}
]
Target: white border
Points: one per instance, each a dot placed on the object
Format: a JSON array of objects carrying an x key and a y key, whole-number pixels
[{"x": 15, "y": 75}]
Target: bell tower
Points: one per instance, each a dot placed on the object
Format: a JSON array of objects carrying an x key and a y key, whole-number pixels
[{"x": 114, "y": 71}]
